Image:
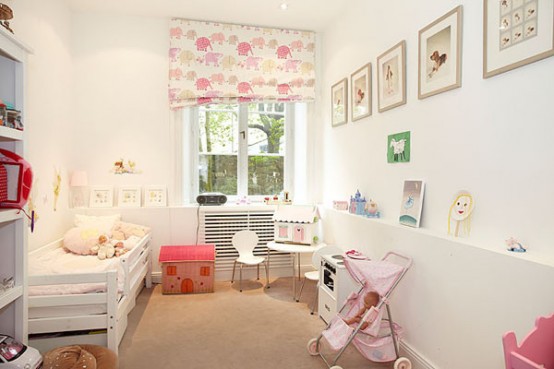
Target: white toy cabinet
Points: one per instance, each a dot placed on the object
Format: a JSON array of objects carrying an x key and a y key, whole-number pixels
[
  {"x": 335, "y": 285},
  {"x": 13, "y": 223}
]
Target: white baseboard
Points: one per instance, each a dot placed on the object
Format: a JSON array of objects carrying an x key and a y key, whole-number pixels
[{"x": 418, "y": 361}]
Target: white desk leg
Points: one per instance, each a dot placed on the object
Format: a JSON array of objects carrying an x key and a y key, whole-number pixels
[
  {"x": 298, "y": 255},
  {"x": 267, "y": 267},
  {"x": 293, "y": 276}
]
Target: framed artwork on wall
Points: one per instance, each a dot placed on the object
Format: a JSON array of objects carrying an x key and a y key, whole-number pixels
[
  {"x": 129, "y": 197},
  {"x": 398, "y": 148},
  {"x": 339, "y": 106},
  {"x": 391, "y": 77},
  {"x": 155, "y": 196},
  {"x": 101, "y": 197},
  {"x": 440, "y": 55},
  {"x": 360, "y": 92},
  {"x": 412, "y": 203},
  {"x": 516, "y": 33}
]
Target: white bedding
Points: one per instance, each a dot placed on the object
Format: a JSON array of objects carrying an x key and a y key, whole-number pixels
[{"x": 61, "y": 261}]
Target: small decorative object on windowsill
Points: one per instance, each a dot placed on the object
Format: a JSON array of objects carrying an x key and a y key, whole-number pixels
[
  {"x": 514, "y": 245},
  {"x": 282, "y": 199},
  {"x": 5, "y": 14},
  {"x": 244, "y": 200}
]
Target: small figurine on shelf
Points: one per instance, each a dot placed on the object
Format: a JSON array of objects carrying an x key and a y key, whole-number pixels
[
  {"x": 6, "y": 14},
  {"x": 514, "y": 245},
  {"x": 357, "y": 203},
  {"x": 371, "y": 209}
]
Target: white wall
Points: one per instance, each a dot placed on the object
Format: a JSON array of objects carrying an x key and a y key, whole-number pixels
[
  {"x": 490, "y": 137},
  {"x": 46, "y": 28}
]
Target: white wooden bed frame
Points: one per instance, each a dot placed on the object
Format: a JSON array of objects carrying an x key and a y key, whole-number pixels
[{"x": 137, "y": 266}]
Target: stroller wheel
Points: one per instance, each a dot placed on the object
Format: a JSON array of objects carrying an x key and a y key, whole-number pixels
[
  {"x": 312, "y": 347},
  {"x": 402, "y": 363}
]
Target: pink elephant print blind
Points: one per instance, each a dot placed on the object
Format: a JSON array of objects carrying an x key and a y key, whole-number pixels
[{"x": 213, "y": 62}]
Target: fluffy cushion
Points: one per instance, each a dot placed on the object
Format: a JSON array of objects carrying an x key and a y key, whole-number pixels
[
  {"x": 104, "y": 223},
  {"x": 124, "y": 230},
  {"x": 80, "y": 356},
  {"x": 79, "y": 240}
]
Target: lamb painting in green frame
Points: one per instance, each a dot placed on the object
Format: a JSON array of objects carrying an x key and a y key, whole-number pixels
[{"x": 399, "y": 147}]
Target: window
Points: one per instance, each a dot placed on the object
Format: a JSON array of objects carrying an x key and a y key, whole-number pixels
[
  {"x": 205, "y": 271},
  {"x": 242, "y": 150},
  {"x": 171, "y": 270}
]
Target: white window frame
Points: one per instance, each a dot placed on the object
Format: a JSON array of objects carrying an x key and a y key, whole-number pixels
[{"x": 191, "y": 150}]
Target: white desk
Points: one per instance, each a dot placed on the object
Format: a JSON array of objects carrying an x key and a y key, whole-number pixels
[{"x": 291, "y": 249}]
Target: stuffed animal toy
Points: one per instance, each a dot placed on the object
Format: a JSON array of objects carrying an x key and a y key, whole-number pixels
[
  {"x": 123, "y": 230},
  {"x": 104, "y": 249}
]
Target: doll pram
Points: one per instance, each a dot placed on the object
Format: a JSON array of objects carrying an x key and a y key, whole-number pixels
[{"x": 379, "y": 341}]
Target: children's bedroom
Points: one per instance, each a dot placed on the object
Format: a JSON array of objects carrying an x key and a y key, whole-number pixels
[{"x": 280, "y": 183}]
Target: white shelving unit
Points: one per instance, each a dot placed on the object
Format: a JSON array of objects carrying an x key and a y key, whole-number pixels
[{"x": 13, "y": 225}]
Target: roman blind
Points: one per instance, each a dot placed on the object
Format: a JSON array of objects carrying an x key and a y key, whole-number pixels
[{"x": 212, "y": 62}]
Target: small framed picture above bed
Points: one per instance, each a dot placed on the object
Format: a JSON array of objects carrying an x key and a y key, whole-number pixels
[
  {"x": 101, "y": 197},
  {"x": 129, "y": 197},
  {"x": 155, "y": 196}
]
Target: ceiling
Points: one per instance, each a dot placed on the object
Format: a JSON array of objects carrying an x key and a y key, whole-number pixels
[{"x": 301, "y": 14}]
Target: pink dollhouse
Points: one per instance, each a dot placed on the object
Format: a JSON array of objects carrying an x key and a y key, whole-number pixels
[
  {"x": 187, "y": 269},
  {"x": 296, "y": 224}
]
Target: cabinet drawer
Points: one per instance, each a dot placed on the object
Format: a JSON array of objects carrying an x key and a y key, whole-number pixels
[{"x": 327, "y": 306}]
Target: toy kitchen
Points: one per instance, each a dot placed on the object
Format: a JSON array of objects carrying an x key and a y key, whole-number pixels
[{"x": 336, "y": 285}]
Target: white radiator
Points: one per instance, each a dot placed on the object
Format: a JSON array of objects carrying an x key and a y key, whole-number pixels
[{"x": 218, "y": 225}]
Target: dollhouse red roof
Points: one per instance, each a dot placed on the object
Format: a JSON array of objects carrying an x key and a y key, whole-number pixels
[
  {"x": 187, "y": 253},
  {"x": 296, "y": 214}
]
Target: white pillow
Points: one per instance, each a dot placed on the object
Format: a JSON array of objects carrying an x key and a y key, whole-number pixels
[{"x": 103, "y": 223}]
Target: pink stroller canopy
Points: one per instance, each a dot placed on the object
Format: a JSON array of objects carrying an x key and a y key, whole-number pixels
[{"x": 374, "y": 275}]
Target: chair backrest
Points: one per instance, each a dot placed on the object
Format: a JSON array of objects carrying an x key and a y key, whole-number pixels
[
  {"x": 325, "y": 250},
  {"x": 245, "y": 242}
]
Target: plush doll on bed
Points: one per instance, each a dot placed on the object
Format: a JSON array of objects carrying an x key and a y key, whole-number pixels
[
  {"x": 371, "y": 299},
  {"x": 106, "y": 249}
]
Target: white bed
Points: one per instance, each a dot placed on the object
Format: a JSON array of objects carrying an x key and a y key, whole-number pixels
[{"x": 90, "y": 306}]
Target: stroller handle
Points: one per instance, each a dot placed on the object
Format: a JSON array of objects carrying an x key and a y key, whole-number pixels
[{"x": 407, "y": 260}]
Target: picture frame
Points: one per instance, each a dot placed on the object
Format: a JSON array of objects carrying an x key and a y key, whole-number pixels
[
  {"x": 129, "y": 197},
  {"x": 391, "y": 77},
  {"x": 516, "y": 33},
  {"x": 399, "y": 147},
  {"x": 360, "y": 82},
  {"x": 412, "y": 203},
  {"x": 101, "y": 197},
  {"x": 339, "y": 106},
  {"x": 155, "y": 196},
  {"x": 440, "y": 55}
]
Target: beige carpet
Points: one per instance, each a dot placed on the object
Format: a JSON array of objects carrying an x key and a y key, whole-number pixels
[{"x": 258, "y": 328}]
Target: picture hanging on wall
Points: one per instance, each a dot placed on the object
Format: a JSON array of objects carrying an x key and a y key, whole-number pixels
[
  {"x": 398, "y": 148},
  {"x": 412, "y": 203},
  {"x": 391, "y": 77},
  {"x": 459, "y": 215},
  {"x": 361, "y": 92},
  {"x": 339, "y": 97},
  {"x": 129, "y": 196},
  {"x": 516, "y": 33},
  {"x": 440, "y": 50},
  {"x": 101, "y": 197},
  {"x": 155, "y": 196}
]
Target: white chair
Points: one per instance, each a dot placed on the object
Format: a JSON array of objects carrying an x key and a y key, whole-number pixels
[
  {"x": 314, "y": 274},
  {"x": 245, "y": 242}
]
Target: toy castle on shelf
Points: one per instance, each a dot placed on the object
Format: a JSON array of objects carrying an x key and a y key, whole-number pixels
[{"x": 360, "y": 206}]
